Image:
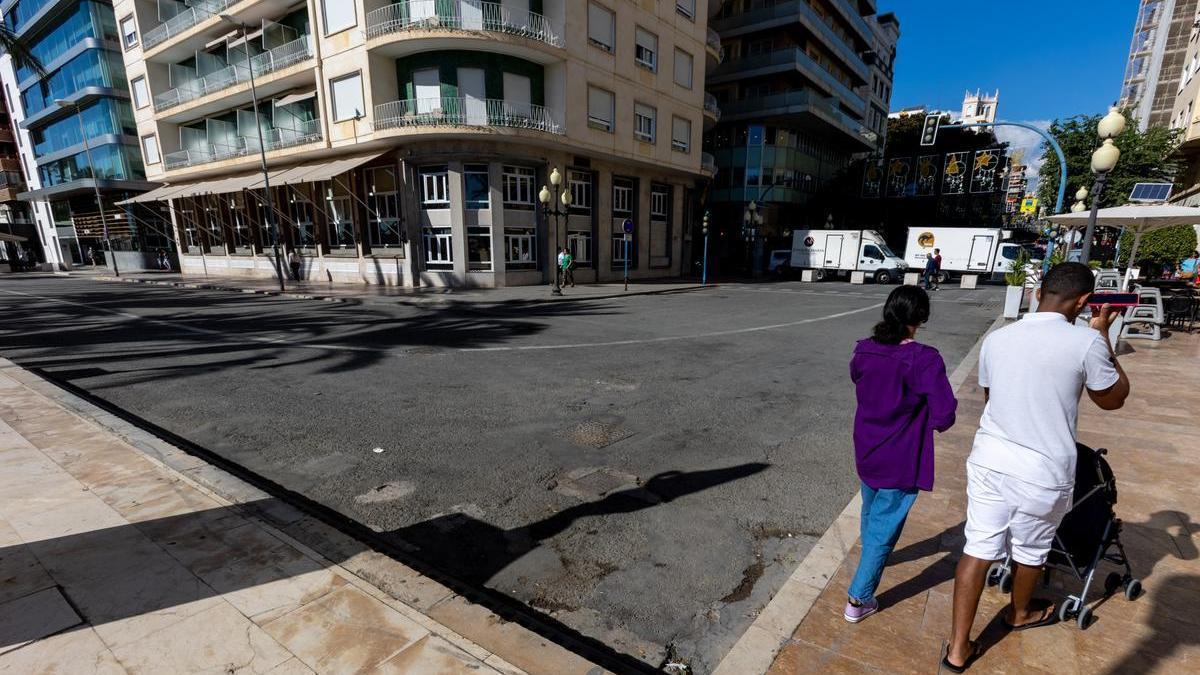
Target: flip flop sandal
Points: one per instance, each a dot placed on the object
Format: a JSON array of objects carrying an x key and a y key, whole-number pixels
[
  {"x": 1047, "y": 620},
  {"x": 976, "y": 652}
]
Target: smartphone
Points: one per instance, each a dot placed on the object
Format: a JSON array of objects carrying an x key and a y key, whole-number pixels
[{"x": 1114, "y": 300}]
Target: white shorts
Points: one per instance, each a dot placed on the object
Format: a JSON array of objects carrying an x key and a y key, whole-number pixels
[{"x": 1005, "y": 512}]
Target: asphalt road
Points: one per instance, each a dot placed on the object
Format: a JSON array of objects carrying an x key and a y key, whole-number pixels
[{"x": 646, "y": 470}]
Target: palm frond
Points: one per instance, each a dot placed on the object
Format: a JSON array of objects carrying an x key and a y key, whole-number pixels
[{"x": 21, "y": 51}]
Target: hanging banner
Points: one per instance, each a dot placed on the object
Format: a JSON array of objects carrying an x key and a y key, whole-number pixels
[
  {"x": 928, "y": 167},
  {"x": 899, "y": 170},
  {"x": 954, "y": 175},
  {"x": 987, "y": 164},
  {"x": 872, "y": 178}
]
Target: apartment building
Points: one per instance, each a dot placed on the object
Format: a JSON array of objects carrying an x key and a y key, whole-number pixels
[
  {"x": 408, "y": 143},
  {"x": 803, "y": 88},
  {"x": 18, "y": 237},
  {"x": 1158, "y": 59},
  {"x": 74, "y": 128}
]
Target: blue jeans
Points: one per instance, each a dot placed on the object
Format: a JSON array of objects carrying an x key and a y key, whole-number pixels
[{"x": 883, "y": 515}]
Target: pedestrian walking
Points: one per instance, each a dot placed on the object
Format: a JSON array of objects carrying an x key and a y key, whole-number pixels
[
  {"x": 558, "y": 265},
  {"x": 937, "y": 269},
  {"x": 568, "y": 268},
  {"x": 1021, "y": 470},
  {"x": 296, "y": 262},
  {"x": 930, "y": 270},
  {"x": 903, "y": 397},
  {"x": 164, "y": 263}
]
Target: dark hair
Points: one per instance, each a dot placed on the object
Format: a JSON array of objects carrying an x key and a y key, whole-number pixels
[
  {"x": 906, "y": 306},
  {"x": 1068, "y": 280}
]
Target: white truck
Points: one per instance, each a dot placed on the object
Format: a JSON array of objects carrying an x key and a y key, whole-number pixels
[
  {"x": 964, "y": 250},
  {"x": 832, "y": 253}
]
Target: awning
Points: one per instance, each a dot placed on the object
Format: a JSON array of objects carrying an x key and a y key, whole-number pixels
[
  {"x": 313, "y": 172},
  {"x": 153, "y": 195},
  {"x": 295, "y": 98}
]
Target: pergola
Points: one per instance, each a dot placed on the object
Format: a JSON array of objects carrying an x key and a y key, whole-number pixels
[{"x": 1137, "y": 218}]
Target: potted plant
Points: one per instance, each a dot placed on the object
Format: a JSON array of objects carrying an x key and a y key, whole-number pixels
[{"x": 1016, "y": 278}]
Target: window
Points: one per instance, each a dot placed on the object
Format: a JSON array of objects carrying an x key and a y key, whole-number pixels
[
  {"x": 475, "y": 186},
  {"x": 622, "y": 196},
  {"x": 686, "y": 8},
  {"x": 602, "y": 27},
  {"x": 520, "y": 250},
  {"x": 600, "y": 109},
  {"x": 150, "y": 149},
  {"x": 479, "y": 248},
  {"x": 619, "y": 246},
  {"x": 683, "y": 69},
  {"x": 338, "y": 15},
  {"x": 580, "y": 246},
  {"x": 518, "y": 186},
  {"x": 643, "y": 122},
  {"x": 435, "y": 188},
  {"x": 341, "y": 222},
  {"x": 347, "y": 96},
  {"x": 383, "y": 208},
  {"x": 129, "y": 36},
  {"x": 681, "y": 134},
  {"x": 580, "y": 184},
  {"x": 141, "y": 95},
  {"x": 660, "y": 202},
  {"x": 439, "y": 247},
  {"x": 645, "y": 50},
  {"x": 872, "y": 252}
]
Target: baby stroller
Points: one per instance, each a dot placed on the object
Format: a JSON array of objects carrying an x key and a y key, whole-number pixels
[{"x": 1088, "y": 534}]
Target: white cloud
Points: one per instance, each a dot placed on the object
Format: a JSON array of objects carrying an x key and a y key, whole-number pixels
[{"x": 1019, "y": 138}]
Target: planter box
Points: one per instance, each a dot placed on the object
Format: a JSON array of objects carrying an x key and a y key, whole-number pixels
[{"x": 1012, "y": 301}]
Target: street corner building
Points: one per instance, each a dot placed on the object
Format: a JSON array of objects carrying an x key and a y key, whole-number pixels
[{"x": 407, "y": 143}]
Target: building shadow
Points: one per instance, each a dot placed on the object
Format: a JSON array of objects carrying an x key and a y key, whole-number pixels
[{"x": 1173, "y": 626}]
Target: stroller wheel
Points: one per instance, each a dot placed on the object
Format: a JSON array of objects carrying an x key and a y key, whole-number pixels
[
  {"x": 1085, "y": 617},
  {"x": 994, "y": 572},
  {"x": 1133, "y": 589},
  {"x": 1112, "y": 582},
  {"x": 1068, "y": 608},
  {"x": 1006, "y": 581}
]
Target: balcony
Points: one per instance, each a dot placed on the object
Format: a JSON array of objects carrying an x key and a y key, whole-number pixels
[
  {"x": 283, "y": 56},
  {"x": 712, "y": 111},
  {"x": 708, "y": 164},
  {"x": 712, "y": 44},
  {"x": 461, "y": 15},
  {"x": 799, "y": 102},
  {"x": 801, "y": 11},
  {"x": 465, "y": 112},
  {"x": 784, "y": 60},
  {"x": 181, "y": 22},
  {"x": 241, "y": 146}
]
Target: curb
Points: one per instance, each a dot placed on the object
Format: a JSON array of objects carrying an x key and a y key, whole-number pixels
[
  {"x": 414, "y": 302},
  {"x": 756, "y": 649}
]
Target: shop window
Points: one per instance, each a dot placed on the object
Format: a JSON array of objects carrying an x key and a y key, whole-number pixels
[
  {"x": 383, "y": 208},
  {"x": 479, "y": 248}
]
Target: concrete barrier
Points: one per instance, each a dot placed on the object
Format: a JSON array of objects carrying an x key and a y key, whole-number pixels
[
  {"x": 858, "y": 277},
  {"x": 912, "y": 279},
  {"x": 969, "y": 281},
  {"x": 808, "y": 275}
]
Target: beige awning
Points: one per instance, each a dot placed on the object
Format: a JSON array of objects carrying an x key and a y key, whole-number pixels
[{"x": 152, "y": 195}]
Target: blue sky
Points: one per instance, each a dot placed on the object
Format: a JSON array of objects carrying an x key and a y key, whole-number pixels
[{"x": 1048, "y": 58}]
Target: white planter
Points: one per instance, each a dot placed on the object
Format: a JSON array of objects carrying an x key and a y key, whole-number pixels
[
  {"x": 1033, "y": 299},
  {"x": 1012, "y": 301}
]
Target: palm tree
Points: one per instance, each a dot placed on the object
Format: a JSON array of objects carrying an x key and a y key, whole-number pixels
[{"x": 22, "y": 52}]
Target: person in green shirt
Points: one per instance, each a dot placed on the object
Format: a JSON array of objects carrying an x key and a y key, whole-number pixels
[{"x": 568, "y": 268}]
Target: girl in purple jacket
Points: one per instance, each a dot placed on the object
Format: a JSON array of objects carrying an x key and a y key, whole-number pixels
[{"x": 903, "y": 397}]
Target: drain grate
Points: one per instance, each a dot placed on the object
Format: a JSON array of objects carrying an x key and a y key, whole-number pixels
[{"x": 595, "y": 433}]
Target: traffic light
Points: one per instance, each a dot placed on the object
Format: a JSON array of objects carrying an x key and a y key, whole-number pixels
[{"x": 929, "y": 131}]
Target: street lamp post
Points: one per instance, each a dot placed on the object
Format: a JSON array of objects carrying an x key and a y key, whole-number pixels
[
  {"x": 87, "y": 149},
  {"x": 547, "y": 198},
  {"x": 1103, "y": 160},
  {"x": 704, "y": 264},
  {"x": 262, "y": 149},
  {"x": 752, "y": 219}
]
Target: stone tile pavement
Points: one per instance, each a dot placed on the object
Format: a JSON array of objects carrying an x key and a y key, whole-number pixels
[
  {"x": 114, "y": 559},
  {"x": 1154, "y": 449}
]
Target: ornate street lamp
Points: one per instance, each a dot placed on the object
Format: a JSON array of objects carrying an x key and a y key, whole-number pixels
[
  {"x": 704, "y": 264},
  {"x": 1103, "y": 160},
  {"x": 547, "y": 198}
]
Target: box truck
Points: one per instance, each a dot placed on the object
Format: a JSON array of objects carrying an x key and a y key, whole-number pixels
[
  {"x": 832, "y": 253},
  {"x": 964, "y": 250}
]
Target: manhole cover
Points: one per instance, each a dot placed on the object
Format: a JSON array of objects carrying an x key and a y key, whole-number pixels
[
  {"x": 595, "y": 433},
  {"x": 591, "y": 483}
]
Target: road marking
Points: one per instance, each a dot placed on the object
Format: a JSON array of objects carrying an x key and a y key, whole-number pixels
[{"x": 289, "y": 342}]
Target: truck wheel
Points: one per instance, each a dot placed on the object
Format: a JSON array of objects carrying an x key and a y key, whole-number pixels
[
  {"x": 883, "y": 277},
  {"x": 943, "y": 277}
]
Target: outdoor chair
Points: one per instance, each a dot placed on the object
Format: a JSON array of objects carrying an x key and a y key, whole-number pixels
[
  {"x": 1180, "y": 308},
  {"x": 1147, "y": 316},
  {"x": 1108, "y": 282}
]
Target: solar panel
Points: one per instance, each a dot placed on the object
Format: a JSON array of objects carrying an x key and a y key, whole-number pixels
[{"x": 1150, "y": 192}]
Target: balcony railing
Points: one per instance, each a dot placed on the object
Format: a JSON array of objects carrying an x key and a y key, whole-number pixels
[
  {"x": 802, "y": 10},
  {"x": 711, "y": 108},
  {"x": 281, "y": 57},
  {"x": 465, "y": 112},
  {"x": 466, "y": 15},
  {"x": 708, "y": 163},
  {"x": 240, "y": 146},
  {"x": 713, "y": 41},
  {"x": 199, "y": 11},
  {"x": 777, "y": 104},
  {"x": 795, "y": 58}
]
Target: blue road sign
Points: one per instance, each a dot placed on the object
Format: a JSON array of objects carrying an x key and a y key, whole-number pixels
[{"x": 627, "y": 226}]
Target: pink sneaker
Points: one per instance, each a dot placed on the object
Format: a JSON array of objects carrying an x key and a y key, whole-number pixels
[{"x": 855, "y": 614}]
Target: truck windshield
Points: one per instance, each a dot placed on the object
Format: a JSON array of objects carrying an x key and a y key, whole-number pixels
[{"x": 887, "y": 251}]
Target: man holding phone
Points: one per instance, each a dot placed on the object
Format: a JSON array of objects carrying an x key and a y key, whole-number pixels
[{"x": 1021, "y": 471}]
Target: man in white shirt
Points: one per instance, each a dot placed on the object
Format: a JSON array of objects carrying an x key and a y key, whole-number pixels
[{"x": 1021, "y": 470}]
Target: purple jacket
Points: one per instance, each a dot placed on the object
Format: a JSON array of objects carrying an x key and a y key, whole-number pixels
[{"x": 903, "y": 396}]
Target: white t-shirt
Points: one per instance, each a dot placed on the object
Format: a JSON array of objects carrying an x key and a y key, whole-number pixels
[{"x": 1035, "y": 370}]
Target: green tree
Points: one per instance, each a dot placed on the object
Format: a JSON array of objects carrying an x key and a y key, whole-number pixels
[
  {"x": 17, "y": 47},
  {"x": 1146, "y": 156},
  {"x": 1170, "y": 244}
]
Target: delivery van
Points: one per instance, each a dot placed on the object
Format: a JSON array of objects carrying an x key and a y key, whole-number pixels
[
  {"x": 837, "y": 253},
  {"x": 965, "y": 250}
]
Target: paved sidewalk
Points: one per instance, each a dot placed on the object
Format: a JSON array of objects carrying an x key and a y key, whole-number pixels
[
  {"x": 1155, "y": 453},
  {"x": 117, "y": 559},
  {"x": 348, "y": 292}
]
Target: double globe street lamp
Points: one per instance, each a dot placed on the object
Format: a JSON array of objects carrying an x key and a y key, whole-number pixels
[
  {"x": 1104, "y": 159},
  {"x": 547, "y": 199}
]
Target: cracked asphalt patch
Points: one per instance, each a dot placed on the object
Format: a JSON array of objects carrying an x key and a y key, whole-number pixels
[{"x": 652, "y": 489}]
